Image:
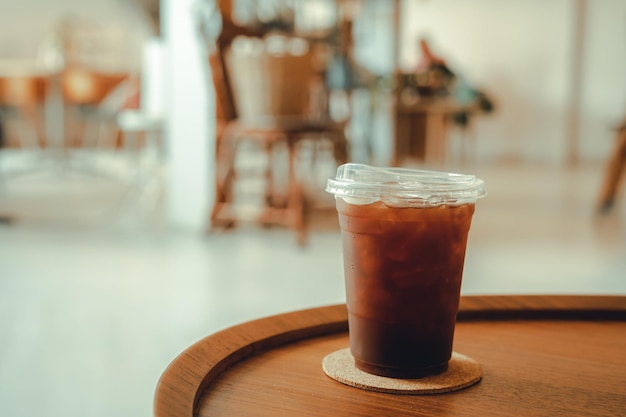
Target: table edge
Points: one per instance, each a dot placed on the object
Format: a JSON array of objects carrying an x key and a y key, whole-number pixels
[{"x": 185, "y": 379}]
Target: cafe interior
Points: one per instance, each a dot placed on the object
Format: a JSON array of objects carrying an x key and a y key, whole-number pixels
[{"x": 163, "y": 165}]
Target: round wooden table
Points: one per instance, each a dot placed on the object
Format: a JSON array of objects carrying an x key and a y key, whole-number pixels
[{"x": 541, "y": 356}]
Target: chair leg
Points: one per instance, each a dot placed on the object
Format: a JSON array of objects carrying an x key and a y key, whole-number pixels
[
  {"x": 224, "y": 172},
  {"x": 340, "y": 146},
  {"x": 614, "y": 174},
  {"x": 269, "y": 192},
  {"x": 295, "y": 199}
]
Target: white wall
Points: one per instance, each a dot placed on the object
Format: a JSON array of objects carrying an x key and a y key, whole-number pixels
[
  {"x": 24, "y": 24},
  {"x": 190, "y": 127},
  {"x": 603, "y": 101},
  {"x": 521, "y": 53}
]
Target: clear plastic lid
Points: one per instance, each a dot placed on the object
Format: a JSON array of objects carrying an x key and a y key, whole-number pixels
[{"x": 401, "y": 187}]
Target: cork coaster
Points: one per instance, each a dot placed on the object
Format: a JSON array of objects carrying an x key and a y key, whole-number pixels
[{"x": 462, "y": 372}]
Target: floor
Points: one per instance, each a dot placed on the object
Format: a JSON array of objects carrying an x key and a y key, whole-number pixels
[{"x": 97, "y": 296}]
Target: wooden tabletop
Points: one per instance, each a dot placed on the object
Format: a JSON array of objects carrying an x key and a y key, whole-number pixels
[{"x": 541, "y": 356}]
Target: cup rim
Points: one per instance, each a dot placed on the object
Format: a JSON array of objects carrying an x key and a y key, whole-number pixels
[{"x": 365, "y": 184}]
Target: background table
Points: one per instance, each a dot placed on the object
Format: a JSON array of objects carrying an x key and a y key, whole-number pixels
[{"x": 541, "y": 355}]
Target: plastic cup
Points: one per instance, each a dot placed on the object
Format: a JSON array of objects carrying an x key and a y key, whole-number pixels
[{"x": 404, "y": 238}]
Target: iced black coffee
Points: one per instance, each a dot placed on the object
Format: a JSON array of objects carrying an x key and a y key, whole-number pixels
[{"x": 404, "y": 238}]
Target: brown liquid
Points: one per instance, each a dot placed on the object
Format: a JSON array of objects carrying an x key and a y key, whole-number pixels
[{"x": 403, "y": 269}]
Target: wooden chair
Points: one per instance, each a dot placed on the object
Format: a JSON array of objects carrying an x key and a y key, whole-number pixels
[{"x": 271, "y": 95}]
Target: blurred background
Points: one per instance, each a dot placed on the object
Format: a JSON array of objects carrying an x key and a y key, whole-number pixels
[{"x": 163, "y": 163}]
